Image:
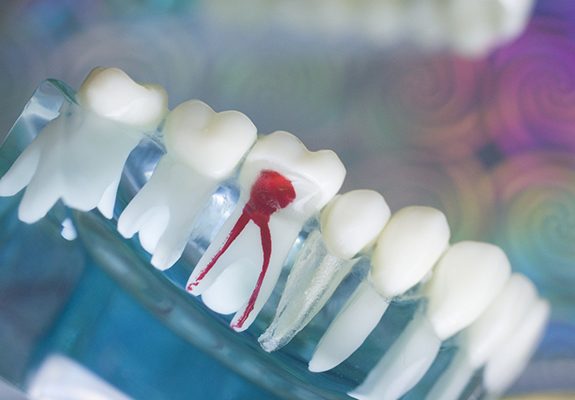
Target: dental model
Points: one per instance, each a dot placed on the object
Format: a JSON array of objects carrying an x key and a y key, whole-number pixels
[
  {"x": 349, "y": 225},
  {"x": 282, "y": 185},
  {"x": 482, "y": 339},
  {"x": 203, "y": 149},
  {"x": 65, "y": 161},
  {"x": 409, "y": 246},
  {"x": 466, "y": 280}
]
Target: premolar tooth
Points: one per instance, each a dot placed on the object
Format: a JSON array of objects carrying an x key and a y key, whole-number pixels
[
  {"x": 282, "y": 185},
  {"x": 511, "y": 356},
  {"x": 203, "y": 149},
  {"x": 79, "y": 156},
  {"x": 409, "y": 246},
  {"x": 350, "y": 224},
  {"x": 466, "y": 280}
]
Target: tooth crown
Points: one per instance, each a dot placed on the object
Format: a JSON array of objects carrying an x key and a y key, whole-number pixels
[
  {"x": 209, "y": 142},
  {"x": 315, "y": 175},
  {"x": 467, "y": 278},
  {"x": 112, "y": 94},
  {"x": 351, "y": 222},
  {"x": 409, "y": 246}
]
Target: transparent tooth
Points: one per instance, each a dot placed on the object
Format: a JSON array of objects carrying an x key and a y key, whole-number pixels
[
  {"x": 203, "y": 149},
  {"x": 282, "y": 185},
  {"x": 350, "y": 223},
  {"x": 79, "y": 156},
  {"x": 409, "y": 246},
  {"x": 466, "y": 280}
]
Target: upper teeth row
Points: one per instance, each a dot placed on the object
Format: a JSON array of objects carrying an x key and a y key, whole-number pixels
[{"x": 282, "y": 185}]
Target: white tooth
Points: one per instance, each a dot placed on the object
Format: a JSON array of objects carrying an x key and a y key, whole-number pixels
[
  {"x": 482, "y": 338},
  {"x": 410, "y": 244},
  {"x": 515, "y": 15},
  {"x": 79, "y": 156},
  {"x": 350, "y": 223},
  {"x": 513, "y": 355},
  {"x": 472, "y": 25},
  {"x": 203, "y": 149},
  {"x": 465, "y": 281},
  {"x": 282, "y": 185}
]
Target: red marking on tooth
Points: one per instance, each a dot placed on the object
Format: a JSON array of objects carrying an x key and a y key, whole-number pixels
[{"x": 270, "y": 192}]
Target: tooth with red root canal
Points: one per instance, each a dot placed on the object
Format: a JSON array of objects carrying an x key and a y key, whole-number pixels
[
  {"x": 405, "y": 251},
  {"x": 79, "y": 156},
  {"x": 349, "y": 225},
  {"x": 203, "y": 149},
  {"x": 282, "y": 185},
  {"x": 467, "y": 278}
]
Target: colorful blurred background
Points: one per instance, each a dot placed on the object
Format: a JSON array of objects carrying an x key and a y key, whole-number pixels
[{"x": 490, "y": 141}]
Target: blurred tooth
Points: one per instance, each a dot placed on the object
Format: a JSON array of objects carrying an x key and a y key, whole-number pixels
[
  {"x": 409, "y": 246},
  {"x": 514, "y": 353},
  {"x": 203, "y": 149},
  {"x": 282, "y": 185},
  {"x": 79, "y": 156},
  {"x": 350, "y": 223}
]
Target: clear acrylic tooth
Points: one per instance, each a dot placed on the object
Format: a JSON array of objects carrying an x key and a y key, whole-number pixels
[
  {"x": 65, "y": 161},
  {"x": 350, "y": 224},
  {"x": 282, "y": 185},
  {"x": 465, "y": 281},
  {"x": 409, "y": 246},
  {"x": 203, "y": 149}
]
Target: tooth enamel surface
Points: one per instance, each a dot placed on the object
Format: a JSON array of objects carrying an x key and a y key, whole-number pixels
[
  {"x": 351, "y": 222},
  {"x": 500, "y": 319},
  {"x": 515, "y": 14},
  {"x": 467, "y": 278},
  {"x": 512, "y": 356},
  {"x": 211, "y": 143},
  {"x": 316, "y": 175},
  {"x": 409, "y": 246},
  {"x": 112, "y": 94}
]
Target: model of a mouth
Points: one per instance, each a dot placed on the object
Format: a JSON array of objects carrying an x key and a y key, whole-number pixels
[{"x": 466, "y": 288}]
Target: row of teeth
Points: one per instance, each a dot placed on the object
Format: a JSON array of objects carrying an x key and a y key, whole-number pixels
[
  {"x": 468, "y": 285},
  {"x": 467, "y": 27}
]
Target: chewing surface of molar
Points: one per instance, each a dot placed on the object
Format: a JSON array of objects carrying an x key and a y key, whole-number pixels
[
  {"x": 484, "y": 336},
  {"x": 203, "y": 149},
  {"x": 79, "y": 156},
  {"x": 514, "y": 353},
  {"x": 349, "y": 225},
  {"x": 282, "y": 184},
  {"x": 465, "y": 281},
  {"x": 406, "y": 250}
]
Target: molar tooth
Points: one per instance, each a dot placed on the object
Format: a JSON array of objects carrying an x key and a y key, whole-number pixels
[
  {"x": 350, "y": 224},
  {"x": 282, "y": 185},
  {"x": 406, "y": 250},
  {"x": 203, "y": 149},
  {"x": 79, "y": 156}
]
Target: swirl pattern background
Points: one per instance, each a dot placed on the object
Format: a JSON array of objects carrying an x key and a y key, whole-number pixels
[{"x": 491, "y": 142}]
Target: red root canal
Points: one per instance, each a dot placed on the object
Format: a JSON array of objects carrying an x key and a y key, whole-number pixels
[{"x": 270, "y": 192}]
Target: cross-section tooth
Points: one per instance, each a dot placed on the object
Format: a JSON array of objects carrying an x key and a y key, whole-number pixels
[
  {"x": 349, "y": 225},
  {"x": 484, "y": 336},
  {"x": 203, "y": 149},
  {"x": 79, "y": 156},
  {"x": 409, "y": 246},
  {"x": 514, "y": 353},
  {"x": 282, "y": 185},
  {"x": 466, "y": 280}
]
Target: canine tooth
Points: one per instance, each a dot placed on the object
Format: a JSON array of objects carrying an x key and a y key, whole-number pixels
[
  {"x": 406, "y": 250},
  {"x": 203, "y": 149},
  {"x": 513, "y": 355},
  {"x": 349, "y": 225},
  {"x": 465, "y": 281},
  {"x": 282, "y": 185},
  {"x": 79, "y": 156},
  {"x": 483, "y": 337}
]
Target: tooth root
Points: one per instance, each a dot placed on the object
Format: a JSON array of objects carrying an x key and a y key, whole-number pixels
[
  {"x": 21, "y": 172},
  {"x": 154, "y": 223},
  {"x": 108, "y": 200},
  {"x": 403, "y": 365},
  {"x": 350, "y": 328},
  {"x": 453, "y": 380},
  {"x": 42, "y": 193}
]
